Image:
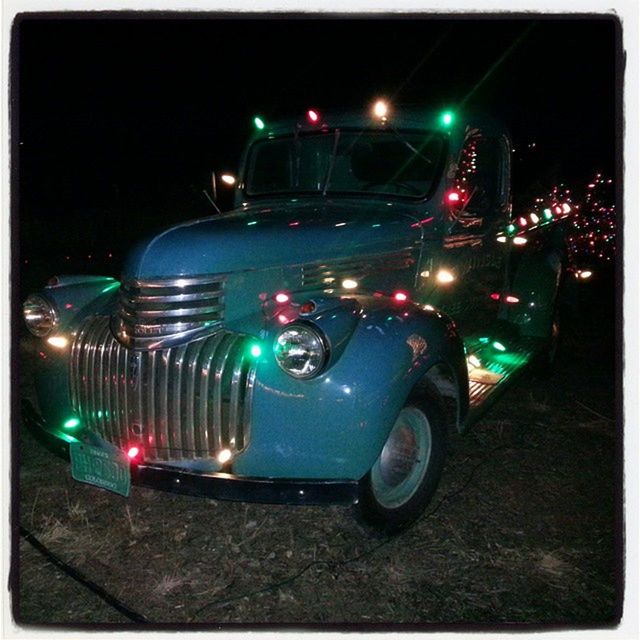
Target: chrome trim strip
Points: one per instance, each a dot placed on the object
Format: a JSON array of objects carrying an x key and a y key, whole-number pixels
[
  {"x": 322, "y": 275},
  {"x": 179, "y": 283},
  {"x": 161, "y": 314},
  {"x": 164, "y": 312}
]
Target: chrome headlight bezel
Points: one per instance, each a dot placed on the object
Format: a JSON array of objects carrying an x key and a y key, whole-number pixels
[
  {"x": 40, "y": 315},
  {"x": 315, "y": 339}
]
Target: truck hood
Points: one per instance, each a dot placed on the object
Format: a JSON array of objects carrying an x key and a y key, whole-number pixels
[{"x": 277, "y": 234}]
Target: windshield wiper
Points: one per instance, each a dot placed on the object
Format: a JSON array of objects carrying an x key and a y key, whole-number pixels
[{"x": 336, "y": 137}]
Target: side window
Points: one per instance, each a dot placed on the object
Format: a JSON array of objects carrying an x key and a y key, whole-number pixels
[{"x": 479, "y": 175}]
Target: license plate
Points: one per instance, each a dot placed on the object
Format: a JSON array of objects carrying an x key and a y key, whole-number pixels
[{"x": 105, "y": 469}]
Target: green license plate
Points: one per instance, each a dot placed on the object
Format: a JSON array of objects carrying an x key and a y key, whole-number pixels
[{"x": 100, "y": 468}]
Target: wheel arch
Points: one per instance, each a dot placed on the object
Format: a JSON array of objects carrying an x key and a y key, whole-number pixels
[{"x": 441, "y": 381}]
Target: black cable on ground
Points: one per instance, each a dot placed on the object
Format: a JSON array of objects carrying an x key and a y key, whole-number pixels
[
  {"x": 81, "y": 578},
  {"x": 340, "y": 563}
]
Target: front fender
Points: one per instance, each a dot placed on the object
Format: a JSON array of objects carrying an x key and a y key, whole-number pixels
[
  {"x": 75, "y": 298},
  {"x": 334, "y": 425}
]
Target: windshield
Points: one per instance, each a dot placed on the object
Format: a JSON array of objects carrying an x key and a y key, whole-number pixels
[{"x": 403, "y": 163}]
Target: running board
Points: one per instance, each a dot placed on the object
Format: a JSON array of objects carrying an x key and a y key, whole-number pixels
[{"x": 493, "y": 365}]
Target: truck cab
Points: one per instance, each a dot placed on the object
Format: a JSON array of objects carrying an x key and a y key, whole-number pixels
[{"x": 370, "y": 292}]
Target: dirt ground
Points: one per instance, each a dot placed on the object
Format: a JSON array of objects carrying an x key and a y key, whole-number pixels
[{"x": 522, "y": 528}]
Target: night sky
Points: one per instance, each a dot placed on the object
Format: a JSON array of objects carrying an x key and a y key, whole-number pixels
[{"x": 120, "y": 122}]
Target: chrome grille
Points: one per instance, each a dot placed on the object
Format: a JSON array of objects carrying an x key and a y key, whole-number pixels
[
  {"x": 184, "y": 402},
  {"x": 328, "y": 274},
  {"x": 156, "y": 313}
]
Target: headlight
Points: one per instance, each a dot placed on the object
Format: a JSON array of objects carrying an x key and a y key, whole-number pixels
[
  {"x": 301, "y": 350},
  {"x": 40, "y": 315}
]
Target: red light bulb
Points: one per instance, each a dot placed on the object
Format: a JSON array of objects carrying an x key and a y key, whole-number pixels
[
  {"x": 281, "y": 298},
  {"x": 133, "y": 452},
  {"x": 453, "y": 196},
  {"x": 400, "y": 296},
  {"x": 313, "y": 116}
]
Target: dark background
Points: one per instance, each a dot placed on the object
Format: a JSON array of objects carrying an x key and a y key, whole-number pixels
[{"x": 118, "y": 122}]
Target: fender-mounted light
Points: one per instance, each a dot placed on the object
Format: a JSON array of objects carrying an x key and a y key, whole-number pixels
[
  {"x": 40, "y": 315},
  {"x": 301, "y": 350}
]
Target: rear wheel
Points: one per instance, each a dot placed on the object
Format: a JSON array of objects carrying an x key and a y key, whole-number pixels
[{"x": 404, "y": 478}]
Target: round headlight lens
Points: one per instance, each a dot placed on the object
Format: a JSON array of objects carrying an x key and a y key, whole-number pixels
[
  {"x": 300, "y": 351},
  {"x": 40, "y": 315}
]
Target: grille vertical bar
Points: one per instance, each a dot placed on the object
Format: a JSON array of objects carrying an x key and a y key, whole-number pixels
[{"x": 182, "y": 402}]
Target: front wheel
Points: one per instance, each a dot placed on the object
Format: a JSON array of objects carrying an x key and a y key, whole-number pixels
[{"x": 405, "y": 476}]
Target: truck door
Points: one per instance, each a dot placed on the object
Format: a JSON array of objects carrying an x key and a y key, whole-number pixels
[{"x": 471, "y": 264}]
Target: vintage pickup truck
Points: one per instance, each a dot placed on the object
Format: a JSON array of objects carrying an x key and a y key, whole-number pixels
[{"x": 370, "y": 293}]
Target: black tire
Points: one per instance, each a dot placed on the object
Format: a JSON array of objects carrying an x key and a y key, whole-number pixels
[{"x": 401, "y": 483}]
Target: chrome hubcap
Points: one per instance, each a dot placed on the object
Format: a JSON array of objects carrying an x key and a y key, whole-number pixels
[{"x": 404, "y": 460}]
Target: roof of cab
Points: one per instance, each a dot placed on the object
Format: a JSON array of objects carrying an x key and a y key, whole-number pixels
[{"x": 417, "y": 118}]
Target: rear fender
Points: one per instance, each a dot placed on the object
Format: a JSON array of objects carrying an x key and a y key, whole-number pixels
[{"x": 535, "y": 285}]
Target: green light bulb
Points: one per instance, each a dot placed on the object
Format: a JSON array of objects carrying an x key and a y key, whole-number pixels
[
  {"x": 256, "y": 350},
  {"x": 259, "y": 122},
  {"x": 511, "y": 228},
  {"x": 71, "y": 423},
  {"x": 446, "y": 118},
  {"x": 547, "y": 214}
]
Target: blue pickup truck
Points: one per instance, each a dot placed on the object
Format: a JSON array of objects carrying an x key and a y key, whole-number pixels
[{"x": 370, "y": 293}]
